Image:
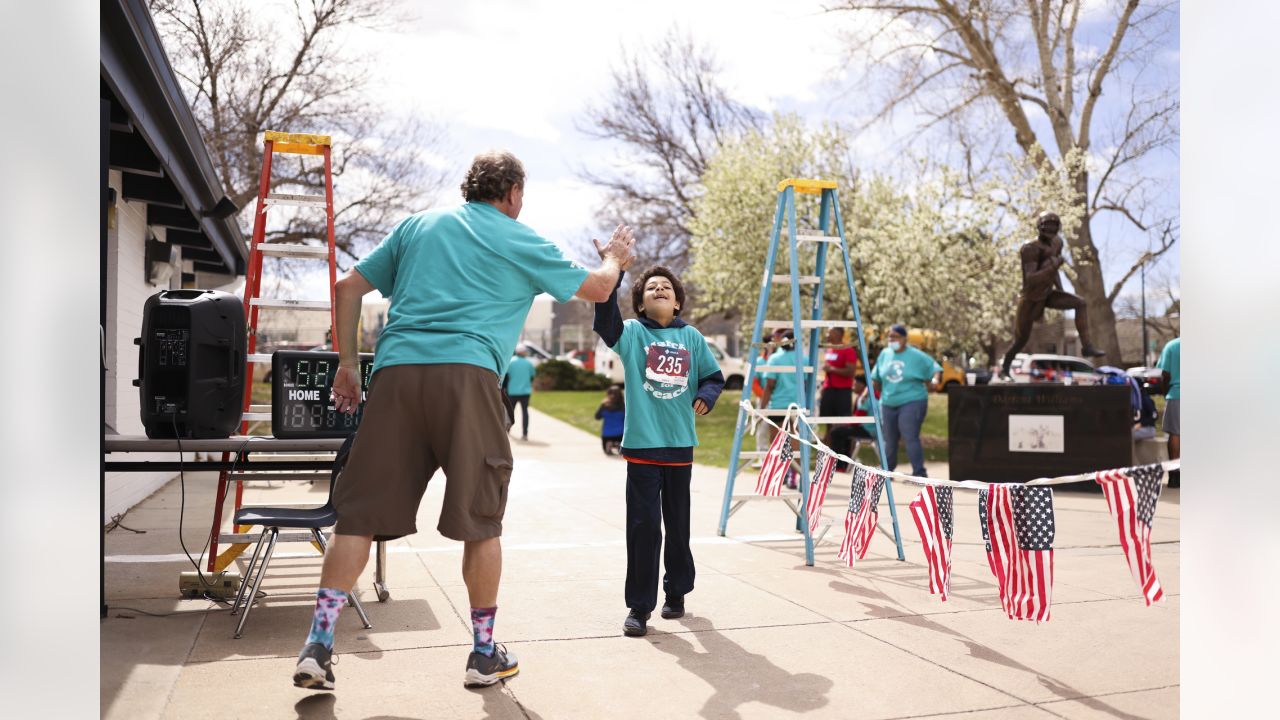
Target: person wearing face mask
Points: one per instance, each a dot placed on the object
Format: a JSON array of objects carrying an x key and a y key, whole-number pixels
[{"x": 902, "y": 376}]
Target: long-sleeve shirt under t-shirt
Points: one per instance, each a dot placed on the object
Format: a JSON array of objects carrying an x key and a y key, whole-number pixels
[{"x": 666, "y": 369}]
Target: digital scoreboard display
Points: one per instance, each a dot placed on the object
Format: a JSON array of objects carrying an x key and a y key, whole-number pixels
[{"x": 301, "y": 406}]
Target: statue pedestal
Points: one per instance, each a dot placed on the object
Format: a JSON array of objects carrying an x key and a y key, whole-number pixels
[{"x": 1020, "y": 432}]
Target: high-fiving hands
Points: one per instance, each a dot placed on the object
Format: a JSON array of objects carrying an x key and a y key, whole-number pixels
[{"x": 621, "y": 247}]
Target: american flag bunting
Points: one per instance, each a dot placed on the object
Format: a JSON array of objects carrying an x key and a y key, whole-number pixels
[
  {"x": 1018, "y": 529},
  {"x": 860, "y": 522},
  {"x": 932, "y": 511},
  {"x": 777, "y": 462},
  {"x": 1132, "y": 494},
  {"x": 818, "y": 489}
]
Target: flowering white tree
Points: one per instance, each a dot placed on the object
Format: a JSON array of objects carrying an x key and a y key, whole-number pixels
[{"x": 935, "y": 253}]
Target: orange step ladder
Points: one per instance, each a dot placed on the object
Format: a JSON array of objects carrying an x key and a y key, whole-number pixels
[{"x": 274, "y": 143}]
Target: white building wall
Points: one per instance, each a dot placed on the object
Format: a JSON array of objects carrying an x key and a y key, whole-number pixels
[
  {"x": 127, "y": 291},
  {"x": 537, "y": 326}
]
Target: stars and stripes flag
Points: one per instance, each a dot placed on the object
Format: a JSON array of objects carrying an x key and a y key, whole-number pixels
[
  {"x": 1018, "y": 529},
  {"x": 1132, "y": 494},
  {"x": 818, "y": 489},
  {"x": 777, "y": 462},
  {"x": 860, "y": 522},
  {"x": 932, "y": 511}
]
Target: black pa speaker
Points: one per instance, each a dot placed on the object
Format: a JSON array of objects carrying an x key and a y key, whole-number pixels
[{"x": 191, "y": 362}]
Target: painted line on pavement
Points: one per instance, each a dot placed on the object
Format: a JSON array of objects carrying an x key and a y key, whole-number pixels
[{"x": 402, "y": 549}]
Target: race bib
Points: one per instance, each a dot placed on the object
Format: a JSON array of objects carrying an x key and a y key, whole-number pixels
[{"x": 667, "y": 365}]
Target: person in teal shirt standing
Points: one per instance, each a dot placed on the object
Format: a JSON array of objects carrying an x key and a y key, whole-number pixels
[
  {"x": 902, "y": 376},
  {"x": 780, "y": 385},
  {"x": 671, "y": 375},
  {"x": 1170, "y": 364},
  {"x": 519, "y": 386}
]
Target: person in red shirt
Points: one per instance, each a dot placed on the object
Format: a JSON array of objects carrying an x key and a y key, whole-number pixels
[{"x": 840, "y": 363}]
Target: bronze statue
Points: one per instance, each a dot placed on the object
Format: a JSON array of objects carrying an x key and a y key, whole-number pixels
[{"x": 1042, "y": 288}]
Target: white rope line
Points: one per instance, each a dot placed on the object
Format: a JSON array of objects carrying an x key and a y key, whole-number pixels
[{"x": 935, "y": 482}]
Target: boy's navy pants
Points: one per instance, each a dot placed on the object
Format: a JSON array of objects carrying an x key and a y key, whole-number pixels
[{"x": 657, "y": 494}]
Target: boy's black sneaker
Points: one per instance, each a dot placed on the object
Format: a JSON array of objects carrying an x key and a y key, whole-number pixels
[
  {"x": 634, "y": 625},
  {"x": 673, "y": 607},
  {"x": 484, "y": 670},
  {"x": 315, "y": 667}
]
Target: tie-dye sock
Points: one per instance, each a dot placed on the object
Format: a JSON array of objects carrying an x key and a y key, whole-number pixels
[
  {"x": 329, "y": 602},
  {"x": 482, "y": 629}
]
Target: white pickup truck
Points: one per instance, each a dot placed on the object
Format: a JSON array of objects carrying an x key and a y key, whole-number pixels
[{"x": 734, "y": 369}]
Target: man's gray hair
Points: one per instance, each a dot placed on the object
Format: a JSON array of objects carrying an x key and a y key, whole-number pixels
[{"x": 491, "y": 177}]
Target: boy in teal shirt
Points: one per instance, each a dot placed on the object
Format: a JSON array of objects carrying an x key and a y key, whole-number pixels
[
  {"x": 519, "y": 387},
  {"x": 670, "y": 375}
]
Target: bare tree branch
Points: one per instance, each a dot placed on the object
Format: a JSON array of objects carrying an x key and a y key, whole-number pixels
[
  {"x": 1167, "y": 240},
  {"x": 245, "y": 71},
  {"x": 670, "y": 113}
]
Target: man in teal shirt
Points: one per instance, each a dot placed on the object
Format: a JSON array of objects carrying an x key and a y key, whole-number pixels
[
  {"x": 519, "y": 384},
  {"x": 1170, "y": 363},
  {"x": 461, "y": 281},
  {"x": 902, "y": 376}
]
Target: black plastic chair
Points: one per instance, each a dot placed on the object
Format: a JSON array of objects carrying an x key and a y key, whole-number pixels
[{"x": 271, "y": 519}]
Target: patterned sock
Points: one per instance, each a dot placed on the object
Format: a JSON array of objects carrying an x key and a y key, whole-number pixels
[
  {"x": 329, "y": 602},
  {"x": 482, "y": 629}
]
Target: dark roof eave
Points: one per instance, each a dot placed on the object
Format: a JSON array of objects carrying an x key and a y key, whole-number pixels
[{"x": 135, "y": 67}]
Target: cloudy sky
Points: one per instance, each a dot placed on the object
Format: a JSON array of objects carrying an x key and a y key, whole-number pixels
[{"x": 517, "y": 74}]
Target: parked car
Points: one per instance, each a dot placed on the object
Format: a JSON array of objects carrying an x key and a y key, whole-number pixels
[
  {"x": 584, "y": 359},
  {"x": 1045, "y": 368},
  {"x": 733, "y": 369},
  {"x": 537, "y": 354},
  {"x": 1150, "y": 378}
]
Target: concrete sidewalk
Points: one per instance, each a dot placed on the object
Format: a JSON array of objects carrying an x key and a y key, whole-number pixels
[{"x": 765, "y": 636}]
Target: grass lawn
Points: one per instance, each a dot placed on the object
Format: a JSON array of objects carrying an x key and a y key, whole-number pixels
[{"x": 715, "y": 431}]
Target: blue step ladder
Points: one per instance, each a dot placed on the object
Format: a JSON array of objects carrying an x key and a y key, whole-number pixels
[{"x": 808, "y": 345}]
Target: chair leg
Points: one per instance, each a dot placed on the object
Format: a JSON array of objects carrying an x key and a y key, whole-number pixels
[
  {"x": 248, "y": 572},
  {"x": 355, "y": 600},
  {"x": 257, "y": 581}
]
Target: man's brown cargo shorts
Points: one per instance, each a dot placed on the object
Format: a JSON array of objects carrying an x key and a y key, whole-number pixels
[{"x": 418, "y": 419}]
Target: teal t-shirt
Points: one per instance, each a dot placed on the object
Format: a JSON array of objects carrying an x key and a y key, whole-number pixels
[
  {"x": 902, "y": 375},
  {"x": 461, "y": 281},
  {"x": 662, "y": 369},
  {"x": 1169, "y": 362},
  {"x": 520, "y": 376},
  {"x": 784, "y": 392}
]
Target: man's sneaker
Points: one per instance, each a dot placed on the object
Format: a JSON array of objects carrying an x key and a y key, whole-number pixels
[
  {"x": 315, "y": 667},
  {"x": 673, "y": 607},
  {"x": 634, "y": 625},
  {"x": 1091, "y": 351},
  {"x": 485, "y": 670}
]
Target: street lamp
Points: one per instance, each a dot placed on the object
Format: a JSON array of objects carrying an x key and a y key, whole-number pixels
[{"x": 1146, "y": 356}]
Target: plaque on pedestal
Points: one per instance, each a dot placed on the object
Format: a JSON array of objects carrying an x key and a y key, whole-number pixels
[{"x": 1020, "y": 432}]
